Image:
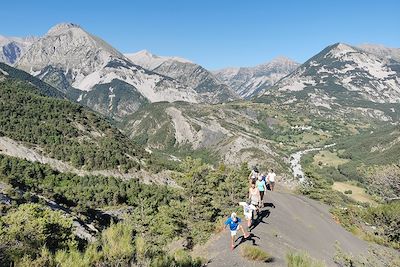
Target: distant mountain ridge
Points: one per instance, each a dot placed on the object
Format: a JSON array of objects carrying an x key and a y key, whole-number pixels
[
  {"x": 191, "y": 75},
  {"x": 341, "y": 70},
  {"x": 251, "y": 81},
  {"x": 382, "y": 51},
  {"x": 12, "y": 48},
  {"x": 150, "y": 61}
]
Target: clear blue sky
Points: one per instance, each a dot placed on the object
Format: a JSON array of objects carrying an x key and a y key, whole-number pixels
[{"x": 215, "y": 33}]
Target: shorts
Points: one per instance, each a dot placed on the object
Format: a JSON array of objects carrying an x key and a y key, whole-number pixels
[
  {"x": 248, "y": 215},
  {"x": 234, "y": 232}
]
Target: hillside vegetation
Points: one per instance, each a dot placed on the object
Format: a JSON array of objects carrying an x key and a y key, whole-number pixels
[
  {"x": 158, "y": 214},
  {"x": 63, "y": 130}
]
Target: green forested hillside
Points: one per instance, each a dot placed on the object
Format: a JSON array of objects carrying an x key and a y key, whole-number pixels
[
  {"x": 21, "y": 75},
  {"x": 62, "y": 129}
]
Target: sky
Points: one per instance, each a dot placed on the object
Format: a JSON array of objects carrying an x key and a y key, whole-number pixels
[{"x": 215, "y": 34}]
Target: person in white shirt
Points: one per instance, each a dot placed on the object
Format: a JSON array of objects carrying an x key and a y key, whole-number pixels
[
  {"x": 271, "y": 179},
  {"x": 248, "y": 210},
  {"x": 253, "y": 174}
]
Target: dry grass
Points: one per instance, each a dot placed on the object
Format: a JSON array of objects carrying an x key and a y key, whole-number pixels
[
  {"x": 329, "y": 159},
  {"x": 302, "y": 259},
  {"x": 254, "y": 253},
  {"x": 358, "y": 193}
]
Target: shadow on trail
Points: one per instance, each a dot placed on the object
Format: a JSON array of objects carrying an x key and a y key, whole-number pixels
[
  {"x": 260, "y": 218},
  {"x": 269, "y": 205},
  {"x": 252, "y": 238}
]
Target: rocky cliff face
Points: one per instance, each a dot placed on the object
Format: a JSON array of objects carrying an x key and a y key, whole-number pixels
[{"x": 189, "y": 74}]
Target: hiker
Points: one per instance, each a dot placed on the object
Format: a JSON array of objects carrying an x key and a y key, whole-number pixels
[
  {"x": 254, "y": 195},
  {"x": 261, "y": 186},
  {"x": 271, "y": 179},
  {"x": 253, "y": 174},
  {"x": 264, "y": 177},
  {"x": 234, "y": 226},
  {"x": 248, "y": 209}
]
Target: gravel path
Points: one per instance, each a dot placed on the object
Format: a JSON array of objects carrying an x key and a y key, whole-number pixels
[{"x": 294, "y": 223}]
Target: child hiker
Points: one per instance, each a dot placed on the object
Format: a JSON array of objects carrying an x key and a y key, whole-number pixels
[
  {"x": 248, "y": 210},
  {"x": 234, "y": 225}
]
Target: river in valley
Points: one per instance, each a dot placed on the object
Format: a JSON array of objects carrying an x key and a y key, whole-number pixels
[{"x": 295, "y": 161}]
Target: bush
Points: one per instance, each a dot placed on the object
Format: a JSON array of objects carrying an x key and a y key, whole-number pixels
[
  {"x": 387, "y": 219},
  {"x": 181, "y": 258},
  {"x": 255, "y": 254},
  {"x": 31, "y": 227},
  {"x": 44, "y": 259},
  {"x": 348, "y": 192},
  {"x": 117, "y": 243},
  {"x": 302, "y": 259}
]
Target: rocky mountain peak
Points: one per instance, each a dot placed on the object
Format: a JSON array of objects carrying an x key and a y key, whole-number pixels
[
  {"x": 338, "y": 50},
  {"x": 67, "y": 46},
  {"x": 61, "y": 27}
]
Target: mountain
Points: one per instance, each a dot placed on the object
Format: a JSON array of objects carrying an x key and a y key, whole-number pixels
[
  {"x": 342, "y": 76},
  {"x": 12, "y": 48},
  {"x": 191, "y": 75},
  {"x": 251, "y": 81},
  {"x": 76, "y": 62},
  {"x": 382, "y": 51}
]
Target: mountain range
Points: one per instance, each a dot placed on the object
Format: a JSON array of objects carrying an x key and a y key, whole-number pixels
[{"x": 90, "y": 71}]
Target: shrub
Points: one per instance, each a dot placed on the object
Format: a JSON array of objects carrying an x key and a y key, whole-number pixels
[
  {"x": 255, "y": 254},
  {"x": 387, "y": 218},
  {"x": 30, "y": 227},
  {"x": 45, "y": 258},
  {"x": 181, "y": 258},
  {"x": 117, "y": 243},
  {"x": 302, "y": 259},
  {"x": 72, "y": 257},
  {"x": 348, "y": 192}
]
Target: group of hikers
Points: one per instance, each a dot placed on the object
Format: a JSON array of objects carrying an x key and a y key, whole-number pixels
[{"x": 259, "y": 184}]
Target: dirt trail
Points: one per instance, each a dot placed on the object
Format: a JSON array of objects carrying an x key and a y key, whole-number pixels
[{"x": 296, "y": 223}]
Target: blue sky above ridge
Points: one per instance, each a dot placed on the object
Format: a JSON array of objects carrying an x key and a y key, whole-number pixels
[{"x": 215, "y": 34}]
